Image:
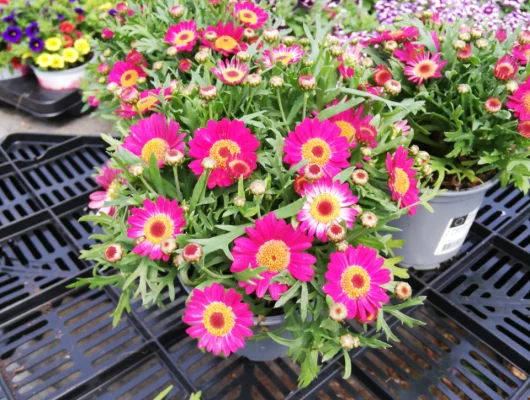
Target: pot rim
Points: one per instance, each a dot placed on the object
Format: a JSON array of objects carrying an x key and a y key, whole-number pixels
[{"x": 76, "y": 69}]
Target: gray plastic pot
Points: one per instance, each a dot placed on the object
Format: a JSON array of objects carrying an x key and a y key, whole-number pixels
[
  {"x": 266, "y": 349},
  {"x": 432, "y": 238}
]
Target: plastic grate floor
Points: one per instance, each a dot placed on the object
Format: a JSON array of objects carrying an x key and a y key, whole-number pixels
[{"x": 59, "y": 343}]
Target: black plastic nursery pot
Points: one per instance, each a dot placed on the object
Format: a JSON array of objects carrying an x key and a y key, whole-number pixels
[
  {"x": 59, "y": 343},
  {"x": 432, "y": 238}
]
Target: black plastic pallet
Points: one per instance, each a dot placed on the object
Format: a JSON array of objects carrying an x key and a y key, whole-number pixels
[{"x": 26, "y": 94}]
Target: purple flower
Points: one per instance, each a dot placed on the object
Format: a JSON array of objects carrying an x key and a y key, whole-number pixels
[
  {"x": 60, "y": 17},
  {"x": 36, "y": 44},
  {"x": 32, "y": 29},
  {"x": 113, "y": 12},
  {"x": 79, "y": 10},
  {"x": 12, "y": 34},
  {"x": 10, "y": 19}
]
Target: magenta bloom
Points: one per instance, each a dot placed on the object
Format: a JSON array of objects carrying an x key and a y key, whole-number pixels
[
  {"x": 155, "y": 222},
  {"x": 506, "y": 68},
  {"x": 283, "y": 54},
  {"x": 250, "y": 15},
  {"x": 328, "y": 202},
  {"x": 410, "y": 53},
  {"x": 520, "y": 101},
  {"x": 277, "y": 245},
  {"x": 106, "y": 33},
  {"x": 183, "y": 36},
  {"x": 354, "y": 127},
  {"x": 125, "y": 74},
  {"x": 228, "y": 38},
  {"x": 230, "y": 72},
  {"x": 319, "y": 142},
  {"x": 522, "y": 53},
  {"x": 153, "y": 136},
  {"x": 109, "y": 179},
  {"x": 148, "y": 101},
  {"x": 219, "y": 319},
  {"x": 355, "y": 278},
  {"x": 424, "y": 67},
  {"x": 402, "y": 183},
  {"x": 221, "y": 141}
]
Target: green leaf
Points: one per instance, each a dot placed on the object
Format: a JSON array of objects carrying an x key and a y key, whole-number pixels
[
  {"x": 163, "y": 394},
  {"x": 154, "y": 174},
  {"x": 304, "y": 302},
  {"x": 347, "y": 364},
  {"x": 198, "y": 190},
  {"x": 288, "y": 295},
  {"x": 250, "y": 273},
  {"x": 290, "y": 210}
]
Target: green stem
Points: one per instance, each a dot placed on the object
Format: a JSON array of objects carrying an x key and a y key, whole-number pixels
[
  {"x": 250, "y": 100},
  {"x": 147, "y": 185},
  {"x": 138, "y": 110},
  {"x": 258, "y": 203},
  {"x": 211, "y": 111},
  {"x": 177, "y": 184},
  {"x": 305, "y": 105},
  {"x": 230, "y": 105},
  {"x": 281, "y": 108}
]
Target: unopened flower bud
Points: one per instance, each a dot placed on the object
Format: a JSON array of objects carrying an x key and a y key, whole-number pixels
[
  {"x": 239, "y": 201},
  {"x": 208, "y": 92},
  {"x": 202, "y": 56},
  {"x": 178, "y": 260},
  {"x": 102, "y": 79},
  {"x": 357, "y": 208},
  {"x": 174, "y": 157},
  {"x": 465, "y": 36},
  {"x": 369, "y": 220},
  {"x": 359, "y": 177},
  {"x": 103, "y": 68},
  {"x": 380, "y": 29},
  {"x": 414, "y": 150},
  {"x": 338, "y": 312},
  {"x": 249, "y": 33},
  {"x": 342, "y": 246},
  {"x": 426, "y": 170},
  {"x": 418, "y": 14},
  {"x": 463, "y": 88},
  {"x": 390, "y": 46},
  {"x": 336, "y": 233},
  {"x": 112, "y": 87},
  {"x": 367, "y": 62},
  {"x": 288, "y": 40},
  {"x": 349, "y": 342},
  {"x": 476, "y": 33},
  {"x": 129, "y": 95},
  {"x": 307, "y": 82},
  {"x": 481, "y": 43},
  {"x": 253, "y": 80},
  {"x": 511, "y": 86},
  {"x": 192, "y": 252},
  {"x": 258, "y": 187},
  {"x": 177, "y": 11},
  {"x": 107, "y": 53},
  {"x": 141, "y": 80},
  {"x": 336, "y": 50},
  {"x": 393, "y": 87},
  {"x": 114, "y": 253},
  {"x": 428, "y": 14},
  {"x": 354, "y": 40},
  {"x": 276, "y": 81},
  {"x": 242, "y": 56},
  {"x": 493, "y": 105},
  {"x": 168, "y": 246},
  {"x": 210, "y": 36},
  {"x": 209, "y": 163},
  {"x": 459, "y": 45},
  {"x": 424, "y": 157},
  {"x": 313, "y": 172},
  {"x": 524, "y": 37},
  {"x": 171, "y": 51},
  {"x": 304, "y": 41},
  {"x": 333, "y": 40},
  {"x": 271, "y": 35},
  {"x": 366, "y": 151},
  {"x": 136, "y": 170},
  {"x": 403, "y": 291},
  {"x": 398, "y": 18},
  {"x": 158, "y": 65}
]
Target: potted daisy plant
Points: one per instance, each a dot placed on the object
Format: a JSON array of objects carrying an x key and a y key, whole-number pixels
[
  {"x": 267, "y": 199},
  {"x": 473, "y": 126}
]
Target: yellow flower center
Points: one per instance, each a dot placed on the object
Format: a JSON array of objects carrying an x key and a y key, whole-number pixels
[
  {"x": 355, "y": 282},
  {"x": 218, "y": 319},
  {"x": 226, "y": 43},
  {"x": 222, "y": 149},
  {"x": 112, "y": 191},
  {"x": 346, "y": 129},
  {"x": 146, "y": 103},
  {"x": 158, "y": 228},
  {"x": 274, "y": 254},
  {"x": 316, "y": 151},
  {"x": 184, "y": 37},
  {"x": 232, "y": 75},
  {"x": 248, "y": 17},
  {"x": 156, "y": 146},
  {"x": 401, "y": 181},
  {"x": 325, "y": 208},
  {"x": 526, "y": 102},
  {"x": 129, "y": 78},
  {"x": 425, "y": 69},
  {"x": 396, "y": 34},
  {"x": 284, "y": 58}
]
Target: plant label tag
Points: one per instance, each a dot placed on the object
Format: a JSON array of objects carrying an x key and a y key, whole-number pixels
[{"x": 455, "y": 234}]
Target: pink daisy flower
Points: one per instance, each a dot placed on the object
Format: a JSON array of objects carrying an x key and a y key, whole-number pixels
[
  {"x": 345, "y": 71},
  {"x": 153, "y": 135},
  {"x": 353, "y": 53},
  {"x": 328, "y": 202},
  {"x": 148, "y": 101},
  {"x": 277, "y": 245},
  {"x": 408, "y": 33},
  {"x": 155, "y": 222},
  {"x": 506, "y": 68},
  {"x": 125, "y": 74},
  {"x": 522, "y": 53},
  {"x": 355, "y": 278},
  {"x": 424, "y": 67},
  {"x": 230, "y": 72},
  {"x": 218, "y": 318},
  {"x": 382, "y": 74},
  {"x": 250, "y": 15},
  {"x": 520, "y": 101},
  {"x": 109, "y": 179},
  {"x": 402, "y": 183},
  {"x": 319, "y": 142},
  {"x": 409, "y": 53},
  {"x": 228, "y": 38},
  {"x": 283, "y": 54},
  {"x": 183, "y": 36},
  {"x": 353, "y": 126},
  {"x": 220, "y": 141}
]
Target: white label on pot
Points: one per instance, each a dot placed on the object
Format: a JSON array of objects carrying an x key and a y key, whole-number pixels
[{"x": 455, "y": 233}]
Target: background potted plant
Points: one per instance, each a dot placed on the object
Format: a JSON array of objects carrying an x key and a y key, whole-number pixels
[
  {"x": 472, "y": 124},
  {"x": 267, "y": 197}
]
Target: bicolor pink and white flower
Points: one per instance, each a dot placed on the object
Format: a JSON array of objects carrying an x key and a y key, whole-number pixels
[
  {"x": 505, "y": 68},
  {"x": 218, "y": 318},
  {"x": 231, "y": 72},
  {"x": 154, "y": 223},
  {"x": 283, "y": 54},
  {"x": 402, "y": 182},
  {"x": 110, "y": 180},
  {"x": 228, "y": 40},
  {"x": 327, "y": 202},
  {"x": 148, "y": 102},
  {"x": 355, "y": 278},
  {"x": 274, "y": 244},
  {"x": 250, "y": 15},
  {"x": 182, "y": 36},
  {"x": 424, "y": 67}
]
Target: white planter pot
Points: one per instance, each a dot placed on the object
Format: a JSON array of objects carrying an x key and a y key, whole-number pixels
[
  {"x": 64, "y": 79},
  {"x": 6, "y": 73}
]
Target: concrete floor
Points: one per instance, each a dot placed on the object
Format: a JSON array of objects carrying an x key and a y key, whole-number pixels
[{"x": 14, "y": 121}]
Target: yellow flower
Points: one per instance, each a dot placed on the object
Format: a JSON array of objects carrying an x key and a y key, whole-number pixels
[
  {"x": 70, "y": 55},
  {"x": 44, "y": 60},
  {"x": 105, "y": 6},
  {"x": 57, "y": 61},
  {"x": 82, "y": 46},
  {"x": 53, "y": 44},
  {"x": 27, "y": 54}
]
